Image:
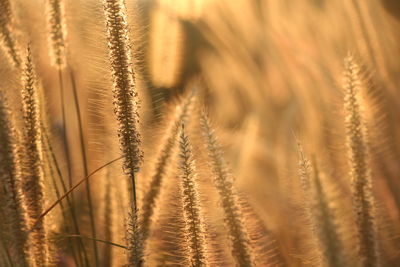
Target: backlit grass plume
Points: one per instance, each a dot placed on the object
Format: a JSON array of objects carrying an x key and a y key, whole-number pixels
[
  {"x": 134, "y": 240},
  {"x": 10, "y": 180},
  {"x": 32, "y": 171},
  {"x": 304, "y": 169},
  {"x": 321, "y": 215},
  {"x": 57, "y": 31},
  {"x": 150, "y": 198},
  {"x": 359, "y": 168},
  {"x": 237, "y": 233},
  {"x": 325, "y": 226},
  {"x": 125, "y": 108},
  {"x": 125, "y": 95},
  {"x": 171, "y": 246},
  {"x": 6, "y": 32},
  {"x": 191, "y": 207}
]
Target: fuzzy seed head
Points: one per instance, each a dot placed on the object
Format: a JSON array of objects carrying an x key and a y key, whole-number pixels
[
  {"x": 237, "y": 233},
  {"x": 191, "y": 206},
  {"x": 359, "y": 167},
  {"x": 7, "y": 39},
  {"x": 57, "y": 31},
  {"x": 150, "y": 198},
  {"x": 325, "y": 226},
  {"x": 32, "y": 172},
  {"x": 134, "y": 241},
  {"x": 125, "y": 95},
  {"x": 14, "y": 210}
]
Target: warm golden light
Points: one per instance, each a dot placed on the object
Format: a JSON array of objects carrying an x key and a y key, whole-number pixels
[{"x": 199, "y": 133}]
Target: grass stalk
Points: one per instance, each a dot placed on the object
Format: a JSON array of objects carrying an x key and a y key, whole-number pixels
[
  {"x": 107, "y": 258},
  {"x": 85, "y": 163},
  {"x": 64, "y": 187},
  {"x": 65, "y": 195}
]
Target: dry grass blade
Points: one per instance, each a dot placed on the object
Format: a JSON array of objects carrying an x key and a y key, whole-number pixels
[
  {"x": 97, "y": 240},
  {"x": 108, "y": 220},
  {"x": 40, "y": 218},
  {"x": 50, "y": 154}
]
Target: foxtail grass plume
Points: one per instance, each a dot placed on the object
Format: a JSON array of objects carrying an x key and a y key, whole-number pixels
[
  {"x": 126, "y": 111},
  {"x": 241, "y": 250},
  {"x": 359, "y": 167},
  {"x": 125, "y": 95},
  {"x": 57, "y": 31},
  {"x": 321, "y": 215},
  {"x": 32, "y": 172},
  {"x": 6, "y": 33},
  {"x": 134, "y": 240},
  {"x": 325, "y": 226},
  {"x": 10, "y": 180},
  {"x": 150, "y": 198},
  {"x": 195, "y": 233},
  {"x": 304, "y": 169}
]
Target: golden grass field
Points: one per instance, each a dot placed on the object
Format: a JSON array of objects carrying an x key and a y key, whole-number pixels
[{"x": 199, "y": 133}]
